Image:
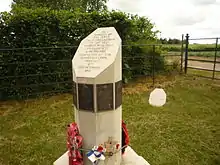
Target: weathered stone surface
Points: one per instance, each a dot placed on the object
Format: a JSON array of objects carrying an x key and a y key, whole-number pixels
[{"x": 97, "y": 52}]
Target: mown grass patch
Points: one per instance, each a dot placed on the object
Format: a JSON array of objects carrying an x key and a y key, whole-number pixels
[{"x": 185, "y": 131}]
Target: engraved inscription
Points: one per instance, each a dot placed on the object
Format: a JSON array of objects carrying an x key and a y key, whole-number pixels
[
  {"x": 118, "y": 94},
  {"x": 86, "y": 101},
  {"x": 96, "y": 51},
  {"x": 104, "y": 97}
]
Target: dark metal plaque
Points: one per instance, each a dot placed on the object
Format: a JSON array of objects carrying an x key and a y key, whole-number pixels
[
  {"x": 86, "y": 101},
  {"x": 118, "y": 94},
  {"x": 104, "y": 97},
  {"x": 74, "y": 94}
]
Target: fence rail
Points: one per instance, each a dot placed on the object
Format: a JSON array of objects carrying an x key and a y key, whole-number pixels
[{"x": 208, "y": 38}]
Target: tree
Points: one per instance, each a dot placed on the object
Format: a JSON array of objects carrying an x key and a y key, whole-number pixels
[
  {"x": 96, "y": 5},
  {"x": 83, "y": 5},
  {"x": 163, "y": 40},
  {"x": 170, "y": 41}
]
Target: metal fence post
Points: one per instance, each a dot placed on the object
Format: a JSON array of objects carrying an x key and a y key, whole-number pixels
[
  {"x": 182, "y": 44},
  {"x": 216, "y": 49},
  {"x": 186, "y": 52},
  {"x": 25, "y": 72},
  {"x": 153, "y": 65}
]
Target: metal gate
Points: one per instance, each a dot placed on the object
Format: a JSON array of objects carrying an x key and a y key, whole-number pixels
[{"x": 202, "y": 59}]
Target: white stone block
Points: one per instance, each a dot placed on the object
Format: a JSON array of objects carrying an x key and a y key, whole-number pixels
[
  {"x": 96, "y": 53},
  {"x": 132, "y": 158},
  {"x": 129, "y": 158},
  {"x": 157, "y": 97}
]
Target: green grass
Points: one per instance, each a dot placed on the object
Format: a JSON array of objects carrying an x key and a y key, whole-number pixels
[
  {"x": 190, "y": 47},
  {"x": 186, "y": 131},
  {"x": 208, "y": 74},
  {"x": 175, "y": 49}
]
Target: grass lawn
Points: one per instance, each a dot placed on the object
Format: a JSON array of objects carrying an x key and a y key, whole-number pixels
[
  {"x": 186, "y": 131},
  {"x": 210, "y": 54},
  {"x": 208, "y": 74}
]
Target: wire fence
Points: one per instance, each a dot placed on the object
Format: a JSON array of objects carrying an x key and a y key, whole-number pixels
[{"x": 37, "y": 71}]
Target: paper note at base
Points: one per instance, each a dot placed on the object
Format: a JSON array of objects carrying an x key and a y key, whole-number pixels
[{"x": 157, "y": 97}]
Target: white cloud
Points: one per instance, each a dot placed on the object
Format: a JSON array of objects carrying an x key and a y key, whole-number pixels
[
  {"x": 204, "y": 2},
  {"x": 173, "y": 18},
  {"x": 127, "y": 5},
  {"x": 5, "y": 5}
]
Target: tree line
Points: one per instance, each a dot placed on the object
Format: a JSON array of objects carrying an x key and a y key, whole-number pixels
[
  {"x": 71, "y": 5},
  {"x": 170, "y": 41}
]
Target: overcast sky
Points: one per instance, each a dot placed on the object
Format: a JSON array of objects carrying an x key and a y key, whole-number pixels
[{"x": 199, "y": 18}]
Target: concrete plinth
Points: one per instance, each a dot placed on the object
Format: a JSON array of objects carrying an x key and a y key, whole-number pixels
[{"x": 129, "y": 158}]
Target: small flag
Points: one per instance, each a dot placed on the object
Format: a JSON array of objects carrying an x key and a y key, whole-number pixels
[{"x": 96, "y": 154}]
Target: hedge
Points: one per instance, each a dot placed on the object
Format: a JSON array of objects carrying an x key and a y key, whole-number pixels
[{"x": 29, "y": 67}]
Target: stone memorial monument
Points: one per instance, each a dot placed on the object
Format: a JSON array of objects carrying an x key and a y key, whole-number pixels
[
  {"x": 97, "y": 96},
  {"x": 97, "y": 78}
]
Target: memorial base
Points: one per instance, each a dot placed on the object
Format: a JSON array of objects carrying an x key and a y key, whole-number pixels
[{"x": 129, "y": 158}]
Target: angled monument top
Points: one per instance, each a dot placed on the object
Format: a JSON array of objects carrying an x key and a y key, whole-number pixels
[{"x": 96, "y": 52}]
